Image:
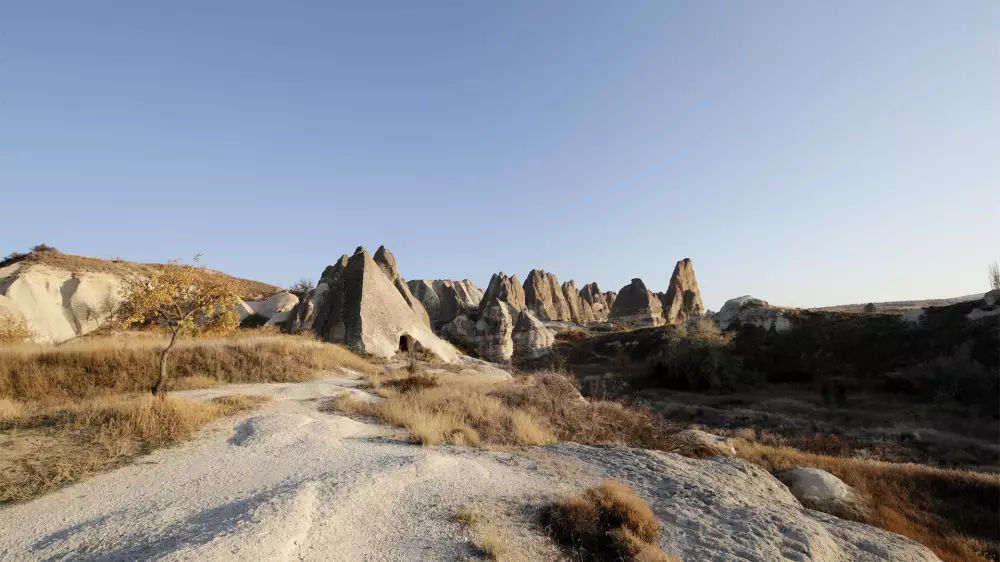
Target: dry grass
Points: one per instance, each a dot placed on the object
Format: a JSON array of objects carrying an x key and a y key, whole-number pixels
[
  {"x": 607, "y": 522},
  {"x": 246, "y": 288},
  {"x": 56, "y": 445},
  {"x": 125, "y": 363},
  {"x": 532, "y": 410},
  {"x": 953, "y": 512},
  {"x": 488, "y": 536}
]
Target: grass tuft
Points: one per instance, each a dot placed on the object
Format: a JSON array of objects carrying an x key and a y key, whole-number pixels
[{"x": 607, "y": 522}]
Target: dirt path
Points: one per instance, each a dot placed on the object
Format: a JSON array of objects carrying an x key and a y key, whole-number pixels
[{"x": 286, "y": 482}]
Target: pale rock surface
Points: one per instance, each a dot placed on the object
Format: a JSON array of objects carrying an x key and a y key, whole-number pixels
[
  {"x": 384, "y": 258},
  {"x": 365, "y": 311},
  {"x": 507, "y": 289},
  {"x": 58, "y": 305},
  {"x": 637, "y": 306},
  {"x": 599, "y": 303},
  {"x": 276, "y": 309},
  {"x": 725, "y": 509},
  {"x": 287, "y": 482},
  {"x": 532, "y": 339},
  {"x": 754, "y": 311},
  {"x": 818, "y": 489},
  {"x": 694, "y": 441},
  {"x": 445, "y": 299},
  {"x": 493, "y": 335},
  {"x": 580, "y": 311},
  {"x": 544, "y": 296},
  {"x": 682, "y": 301},
  {"x": 322, "y": 302},
  {"x": 243, "y": 309}
]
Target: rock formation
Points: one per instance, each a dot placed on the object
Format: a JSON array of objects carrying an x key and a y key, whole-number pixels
[
  {"x": 682, "y": 300},
  {"x": 750, "y": 310},
  {"x": 598, "y": 303},
  {"x": 385, "y": 260},
  {"x": 507, "y": 289},
  {"x": 635, "y": 305},
  {"x": 276, "y": 310},
  {"x": 55, "y": 304},
  {"x": 544, "y": 296},
  {"x": 580, "y": 311},
  {"x": 696, "y": 443},
  {"x": 531, "y": 338},
  {"x": 445, "y": 299},
  {"x": 311, "y": 313},
  {"x": 363, "y": 309}
]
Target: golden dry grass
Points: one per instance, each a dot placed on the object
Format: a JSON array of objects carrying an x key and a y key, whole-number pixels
[
  {"x": 488, "y": 536},
  {"x": 531, "y": 410},
  {"x": 127, "y": 362},
  {"x": 55, "y": 445},
  {"x": 953, "y": 512},
  {"x": 607, "y": 522}
]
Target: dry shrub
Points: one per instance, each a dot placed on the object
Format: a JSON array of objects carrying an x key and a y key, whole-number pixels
[
  {"x": 411, "y": 383},
  {"x": 116, "y": 365},
  {"x": 11, "y": 410},
  {"x": 531, "y": 410},
  {"x": 488, "y": 536},
  {"x": 607, "y": 522},
  {"x": 12, "y": 329},
  {"x": 64, "y": 442},
  {"x": 952, "y": 512}
]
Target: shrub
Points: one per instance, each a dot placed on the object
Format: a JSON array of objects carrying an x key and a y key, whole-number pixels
[
  {"x": 607, "y": 522},
  {"x": 699, "y": 357},
  {"x": 13, "y": 330},
  {"x": 43, "y": 247}
]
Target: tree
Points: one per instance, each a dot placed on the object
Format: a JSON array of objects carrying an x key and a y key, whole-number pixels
[
  {"x": 185, "y": 299},
  {"x": 301, "y": 286},
  {"x": 994, "y": 276},
  {"x": 12, "y": 329}
]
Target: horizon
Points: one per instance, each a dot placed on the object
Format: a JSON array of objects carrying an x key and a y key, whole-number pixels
[{"x": 807, "y": 155}]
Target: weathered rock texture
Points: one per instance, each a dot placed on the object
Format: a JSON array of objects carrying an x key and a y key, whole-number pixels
[
  {"x": 363, "y": 309},
  {"x": 544, "y": 296},
  {"x": 723, "y": 508},
  {"x": 507, "y": 289},
  {"x": 55, "y": 304},
  {"x": 276, "y": 309},
  {"x": 580, "y": 311},
  {"x": 637, "y": 306},
  {"x": 750, "y": 310},
  {"x": 599, "y": 303},
  {"x": 697, "y": 443},
  {"x": 818, "y": 489},
  {"x": 310, "y": 314},
  {"x": 682, "y": 301},
  {"x": 386, "y": 261},
  {"x": 531, "y": 338},
  {"x": 445, "y": 299}
]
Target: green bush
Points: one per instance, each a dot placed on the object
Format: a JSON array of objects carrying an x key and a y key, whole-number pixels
[{"x": 698, "y": 357}]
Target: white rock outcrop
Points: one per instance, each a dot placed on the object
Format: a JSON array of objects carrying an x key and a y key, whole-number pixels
[
  {"x": 754, "y": 311},
  {"x": 276, "y": 308},
  {"x": 58, "y": 305},
  {"x": 818, "y": 489},
  {"x": 725, "y": 509}
]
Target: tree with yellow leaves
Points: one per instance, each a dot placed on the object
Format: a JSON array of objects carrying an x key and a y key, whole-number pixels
[{"x": 185, "y": 299}]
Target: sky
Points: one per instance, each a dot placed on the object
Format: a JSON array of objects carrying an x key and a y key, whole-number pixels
[{"x": 807, "y": 153}]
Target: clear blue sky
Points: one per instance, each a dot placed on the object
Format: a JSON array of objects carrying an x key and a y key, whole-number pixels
[{"x": 808, "y": 153}]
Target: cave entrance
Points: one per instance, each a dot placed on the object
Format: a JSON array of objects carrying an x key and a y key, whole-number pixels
[{"x": 405, "y": 345}]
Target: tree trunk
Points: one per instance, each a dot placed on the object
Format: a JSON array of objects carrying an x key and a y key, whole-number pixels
[{"x": 158, "y": 387}]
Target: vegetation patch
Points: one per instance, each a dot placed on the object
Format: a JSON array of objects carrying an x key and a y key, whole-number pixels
[{"x": 606, "y": 522}]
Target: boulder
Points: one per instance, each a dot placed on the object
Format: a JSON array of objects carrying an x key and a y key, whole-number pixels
[
  {"x": 58, "y": 305},
  {"x": 635, "y": 305},
  {"x": 364, "y": 310},
  {"x": 276, "y": 309},
  {"x": 682, "y": 301},
  {"x": 580, "y": 311},
  {"x": 820, "y": 490},
  {"x": 507, "y": 289},
  {"x": 697, "y": 443},
  {"x": 544, "y": 296},
  {"x": 754, "y": 311},
  {"x": 532, "y": 339},
  {"x": 386, "y": 261}
]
